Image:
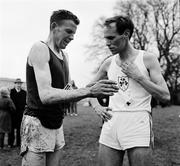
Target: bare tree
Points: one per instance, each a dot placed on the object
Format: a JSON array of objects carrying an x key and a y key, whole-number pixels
[
  {"x": 167, "y": 33},
  {"x": 97, "y": 50}
]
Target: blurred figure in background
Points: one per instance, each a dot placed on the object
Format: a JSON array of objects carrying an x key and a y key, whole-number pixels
[
  {"x": 73, "y": 105},
  {"x": 6, "y": 108},
  {"x": 18, "y": 96}
]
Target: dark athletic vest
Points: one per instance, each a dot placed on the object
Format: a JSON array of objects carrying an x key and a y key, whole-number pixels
[{"x": 50, "y": 115}]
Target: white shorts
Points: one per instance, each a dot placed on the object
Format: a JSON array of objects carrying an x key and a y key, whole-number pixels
[
  {"x": 38, "y": 139},
  {"x": 127, "y": 130}
]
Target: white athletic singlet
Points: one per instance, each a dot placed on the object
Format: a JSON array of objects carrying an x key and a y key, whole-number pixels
[{"x": 131, "y": 95}]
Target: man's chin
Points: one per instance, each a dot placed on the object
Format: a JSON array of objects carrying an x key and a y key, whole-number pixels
[
  {"x": 114, "y": 52},
  {"x": 62, "y": 46}
]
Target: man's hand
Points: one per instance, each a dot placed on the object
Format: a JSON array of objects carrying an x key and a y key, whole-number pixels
[
  {"x": 131, "y": 70},
  {"x": 103, "y": 112},
  {"x": 103, "y": 88}
]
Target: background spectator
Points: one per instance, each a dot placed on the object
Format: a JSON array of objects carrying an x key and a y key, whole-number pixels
[
  {"x": 18, "y": 96},
  {"x": 6, "y": 108}
]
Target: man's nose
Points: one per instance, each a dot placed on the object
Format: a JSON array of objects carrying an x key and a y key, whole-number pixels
[
  {"x": 71, "y": 37},
  {"x": 108, "y": 42}
]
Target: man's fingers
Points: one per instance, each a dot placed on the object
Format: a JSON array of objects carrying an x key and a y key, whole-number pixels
[
  {"x": 110, "y": 89},
  {"x": 108, "y": 82},
  {"x": 107, "y": 94},
  {"x": 111, "y": 86},
  {"x": 108, "y": 108},
  {"x": 106, "y": 116},
  {"x": 103, "y": 89},
  {"x": 90, "y": 84}
]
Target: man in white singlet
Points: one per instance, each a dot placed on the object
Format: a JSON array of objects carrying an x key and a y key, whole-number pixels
[{"x": 128, "y": 117}]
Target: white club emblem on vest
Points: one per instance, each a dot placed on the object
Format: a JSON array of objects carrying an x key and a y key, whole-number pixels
[{"x": 123, "y": 82}]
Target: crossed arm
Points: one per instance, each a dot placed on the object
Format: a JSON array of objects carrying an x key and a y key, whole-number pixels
[{"x": 156, "y": 86}]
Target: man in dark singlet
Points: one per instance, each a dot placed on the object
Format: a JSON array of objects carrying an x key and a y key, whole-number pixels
[{"x": 47, "y": 74}]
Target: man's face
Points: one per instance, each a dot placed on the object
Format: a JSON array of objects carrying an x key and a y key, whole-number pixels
[
  {"x": 115, "y": 42},
  {"x": 64, "y": 33},
  {"x": 18, "y": 85}
]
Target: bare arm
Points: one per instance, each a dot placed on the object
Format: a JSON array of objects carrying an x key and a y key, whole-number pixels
[
  {"x": 157, "y": 86},
  {"x": 101, "y": 74},
  {"x": 38, "y": 59}
]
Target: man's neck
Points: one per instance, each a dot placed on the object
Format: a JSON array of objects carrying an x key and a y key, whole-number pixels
[
  {"x": 56, "y": 51},
  {"x": 128, "y": 53},
  {"x": 18, "y": 89}
]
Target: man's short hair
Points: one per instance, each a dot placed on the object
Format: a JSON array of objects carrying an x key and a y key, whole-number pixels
[
  {"x": 60, "y": 15},
  {"x": 122, "y": 23}
]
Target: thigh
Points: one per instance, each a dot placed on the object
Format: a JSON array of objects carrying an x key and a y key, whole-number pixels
[
  {"x": 35, "y": 137},
  {"x": 109, "y": 156},
  {"x": 34, "y": 159},
  {"x": 53, "y": 158},
  {"x": 140, "y": 156}
]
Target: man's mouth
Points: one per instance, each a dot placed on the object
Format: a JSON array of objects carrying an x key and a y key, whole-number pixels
[
  {"x": 112, "y": 49},
  {"x": 66, "y": 42}
]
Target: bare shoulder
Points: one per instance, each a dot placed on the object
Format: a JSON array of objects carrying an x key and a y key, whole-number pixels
[
  {"x": 150, "y": 59},
  {"x": 106, "y": 63},
  {"x": 39, "y": 53},
  {"x": 102, "y": 72}
]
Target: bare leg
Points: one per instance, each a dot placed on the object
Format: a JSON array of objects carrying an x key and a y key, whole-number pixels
[
  {"x": 34, "y": 159},
  {"x": 75, "y": 108},
  {"x": 71, "y": 108},
  {"x": 140, "y": 156},
  {"x": 109, "y": 156},
  {"x": 53, "y": 158}
]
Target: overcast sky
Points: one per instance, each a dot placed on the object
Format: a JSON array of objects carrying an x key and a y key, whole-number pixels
[{"x": 23, "y": 22}]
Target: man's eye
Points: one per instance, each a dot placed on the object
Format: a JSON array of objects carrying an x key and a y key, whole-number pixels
[
  {"x": 110, "y": 38},
  {"x": 69, "y": 31}
]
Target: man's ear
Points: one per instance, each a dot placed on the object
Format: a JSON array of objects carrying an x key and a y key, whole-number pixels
[
  {"x": 126, "y": 33},
  {"x": 53, "y": 25}
]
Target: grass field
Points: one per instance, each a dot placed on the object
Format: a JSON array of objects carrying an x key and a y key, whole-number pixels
[{"x": 82, "y": 133}]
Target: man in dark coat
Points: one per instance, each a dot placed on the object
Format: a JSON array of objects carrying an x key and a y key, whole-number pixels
[{"x": 18, "y": 95}]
